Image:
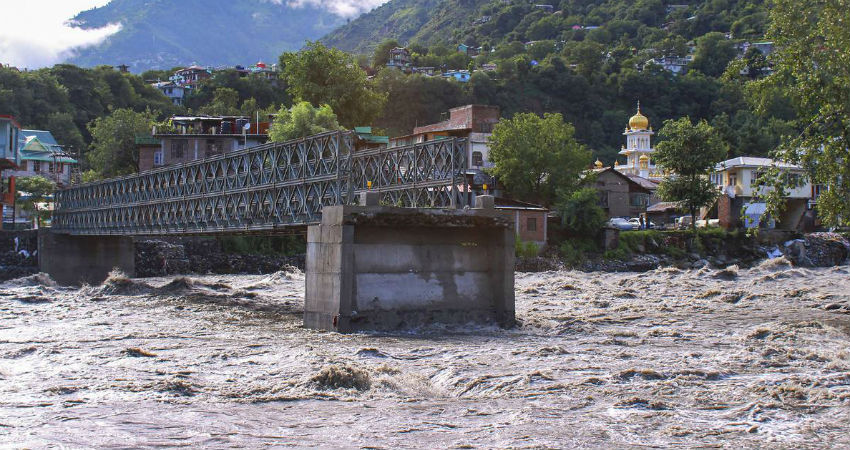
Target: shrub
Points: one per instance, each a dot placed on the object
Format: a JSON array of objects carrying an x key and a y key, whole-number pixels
[
  {"x": 525, "y": 249},
  {"x": 574, "y": 251}
]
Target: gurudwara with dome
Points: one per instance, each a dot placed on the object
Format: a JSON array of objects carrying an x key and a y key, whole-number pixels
[{"x": 638, "y": 150}]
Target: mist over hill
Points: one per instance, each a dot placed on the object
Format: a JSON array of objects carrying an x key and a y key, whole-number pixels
[{"x": 161, "y": 34}]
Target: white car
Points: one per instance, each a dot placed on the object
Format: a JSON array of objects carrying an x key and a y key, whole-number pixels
[{"x": 621, "y": 224}]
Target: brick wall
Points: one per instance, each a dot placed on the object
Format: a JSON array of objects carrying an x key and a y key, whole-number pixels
[{"x": 480, "y": 118}]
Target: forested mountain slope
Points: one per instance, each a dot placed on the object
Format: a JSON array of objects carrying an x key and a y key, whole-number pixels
[{"x": 165, "y": 33}]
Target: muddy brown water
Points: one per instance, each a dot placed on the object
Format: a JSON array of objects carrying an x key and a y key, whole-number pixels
[{"x": 736, "y": 358}]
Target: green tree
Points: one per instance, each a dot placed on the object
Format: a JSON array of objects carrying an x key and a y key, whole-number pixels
[
  {"x": 302, "y": 120},
  {"x": 713, "y": 54},
  {"x": 37, "y": 188},
  {"x": 690, "y": 152},
  {"x": 327, "y": 76},
  {"x": 225, "y": 103},
  {"x": 535, "y": 157},
  {"x": 113, "y": 148},
  {"x": 811, "y": 68},
  {"x": 581, "y": 214}
]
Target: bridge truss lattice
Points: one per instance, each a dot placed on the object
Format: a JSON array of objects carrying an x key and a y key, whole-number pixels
[{"x": 271, "y": 187}]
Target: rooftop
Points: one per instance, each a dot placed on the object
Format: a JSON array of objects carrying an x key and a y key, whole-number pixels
[{"x": 753, "y": 161}]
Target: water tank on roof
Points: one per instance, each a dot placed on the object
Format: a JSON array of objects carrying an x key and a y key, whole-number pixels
[{"x": 240, "y": 124}]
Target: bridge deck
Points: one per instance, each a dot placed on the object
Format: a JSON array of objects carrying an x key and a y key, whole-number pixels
[{"x": 268, "y": 188}]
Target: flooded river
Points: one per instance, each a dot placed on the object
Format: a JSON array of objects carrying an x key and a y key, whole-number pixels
[{"x": 733, "y": 358}]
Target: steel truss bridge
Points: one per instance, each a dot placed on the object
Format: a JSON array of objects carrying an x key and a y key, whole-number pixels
[{"x": 268, "y": 188}]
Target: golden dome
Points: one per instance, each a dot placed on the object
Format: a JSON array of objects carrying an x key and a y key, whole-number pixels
[
  {"x": 643, "y": 158},
  {"x": 616, "y": 163},
  {"x": 598, "y": 164},
  {"x": 638, "y": 122}
]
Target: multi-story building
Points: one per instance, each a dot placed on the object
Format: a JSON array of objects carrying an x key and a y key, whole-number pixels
[
  {"x": 191, "y": 76},
  {"x": 741, "y": 202},
  {"x": 399, "y": 58},
  {"x": 196, "y": 137},
  {"x": 42, "y": 156},
  {"x": 175, "y": 92},
  {"x": 11, "y": 140}
]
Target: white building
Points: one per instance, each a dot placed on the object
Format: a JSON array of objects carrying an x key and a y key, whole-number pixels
[
  {"x": 638, "y": 149},
  {"x": 742, "y": 196}
]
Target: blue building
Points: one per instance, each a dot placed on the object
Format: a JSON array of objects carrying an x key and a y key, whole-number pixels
[{"x": 459, "y": 75}]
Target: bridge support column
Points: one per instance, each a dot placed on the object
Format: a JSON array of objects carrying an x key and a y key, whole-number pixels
[
  {"x": 373, "y": 267},
  {"x": 73, "y": 260}
]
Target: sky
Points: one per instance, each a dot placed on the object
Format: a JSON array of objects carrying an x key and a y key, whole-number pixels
[{"x": 36, "y": 33}]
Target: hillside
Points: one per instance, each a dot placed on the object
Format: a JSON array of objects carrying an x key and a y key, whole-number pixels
[
  {"x": 160, "y": 34},
  {"x": 492, "y": 22}
]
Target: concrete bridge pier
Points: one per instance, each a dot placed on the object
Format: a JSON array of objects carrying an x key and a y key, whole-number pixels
[
  {"x": 73, "y": 260},
  {"x": 374, "y": 267}
]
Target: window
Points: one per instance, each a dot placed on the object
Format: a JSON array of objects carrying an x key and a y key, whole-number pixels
[
  {"x": 477, "y": 159},
  {"x": 733, "y": 179},
  {"x": 639, "y": 200},
  {"x": 51, "y": 168},
  {"x": 531, "y": 224},
  {"x": 36, "y": 166},
  {"x": 754, "y": 181},
  {"x": 178, "y": 149},
  {"x": 157, "y": 158},
  {"x": 603, "y": 199}
]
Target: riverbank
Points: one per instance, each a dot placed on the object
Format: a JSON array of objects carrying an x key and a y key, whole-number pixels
[{"x": 641, "y": 251}]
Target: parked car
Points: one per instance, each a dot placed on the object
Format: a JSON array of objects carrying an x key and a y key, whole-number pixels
[
  {"x": 621, "y": 224},
  {"x": 635, "y": 221}
]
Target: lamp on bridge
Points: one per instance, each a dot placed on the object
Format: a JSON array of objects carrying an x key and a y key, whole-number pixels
[{"x": 369, "y": 185}]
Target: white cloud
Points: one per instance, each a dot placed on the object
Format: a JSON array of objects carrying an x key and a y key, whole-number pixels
[
  {"x": 36, "y": 33},
  {"x": 342, "y": 8}
]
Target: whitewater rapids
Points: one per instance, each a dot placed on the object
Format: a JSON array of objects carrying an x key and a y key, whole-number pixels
[{"x": 732, "y": 358}]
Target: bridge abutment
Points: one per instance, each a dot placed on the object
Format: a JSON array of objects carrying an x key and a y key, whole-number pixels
[
  {"x": 373, "y": 267},
  {"x": 73, "y": 260}
]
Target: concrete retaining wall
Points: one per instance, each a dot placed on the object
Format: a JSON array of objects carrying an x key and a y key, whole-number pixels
[{"x": 387, "y": 268}]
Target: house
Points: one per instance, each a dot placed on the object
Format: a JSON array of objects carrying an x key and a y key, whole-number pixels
[
  {"x": 546, "y": 8},
  {"x": 175, "y": 92},
  {"x": 620, "y": 195},
  {"x": 42, "y": 156},
  {"x": 741, "y": 201},
  {"x": 664, "y": 213},
  {"x": 196, "y": 137},
  {"x": 674, "y": 64},
  {"x": 399, "y": 58},
  {"x": 191, "y": 76},
  {"x": 11, "y": 141},
  {"x": 472, "y": 122},
  {"x": 427, "y": 71},
  {"x": 530, "y": 220},
  {"x": 264, "y": 71},
  {"x": 489, "y": 67},
  {"x": 459, "y": 75},
  {"x": 469, "y": 51}
]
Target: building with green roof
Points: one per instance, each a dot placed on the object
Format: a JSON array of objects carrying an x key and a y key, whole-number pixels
[{"x": 41, "y": 155}]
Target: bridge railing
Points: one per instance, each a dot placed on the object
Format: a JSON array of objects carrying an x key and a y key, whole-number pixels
[{"x": 267, "y": 187}]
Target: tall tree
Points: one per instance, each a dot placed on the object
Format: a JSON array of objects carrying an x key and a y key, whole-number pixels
[
  {"x": 536, "y": 157},
  {"x": 690, "y": 152},
  {"x": 225, "y": 103},
  {"x": 327, "y": 76},
  {"x": 811, "y": 60},
  {"x": 113, "y": 149},
  {"x": 302, "y": 120}
]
